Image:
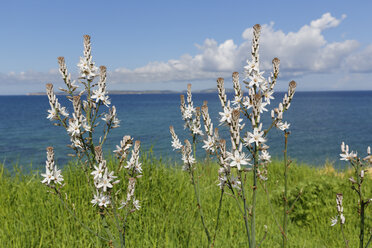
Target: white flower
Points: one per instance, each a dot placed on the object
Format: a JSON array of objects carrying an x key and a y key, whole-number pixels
[
  {"x": 104, "y": 182},
  {"x": 237, "y": 159},
  {"x": 262, "y": 107},
  {"x": 104, "y": 201},
  {"x": 96, "y": 199},
  {"x": 73, "y": 128},
  {"x": 97, "y": 173},
  {"x": 49, "y": 176},
  {"x": 283, "y": 126},
  {"x": 342, "y": 219},
  {"x": 226, "y": 115},
  {"x": 76, "y": 142},
  {"x": 221, "y": 178},
  {"x": 348, "y": 156},
  {"x": 189, "y": 160},
  {"x": 209, "y": 144},
  {"x": 189, "y": 110},
  {"x": 176, "y": 144},
  {"x": 256, "y": 80},
  {"x": 87, "y": 68},
  {"x": 58, "y": 178},
  {"x": 99, "y": 94},
  {"x": 63, "y": 111},
  {"x": 334, "y": 221},
  {"x": 265, "y": 156},
  {"x": 52, "y": 114},
  {"x": 136, "y": 204},
  {"x": 235, "y": 183},
  {"x": 268, "y": 95},
  {"x": 255, "y": 137},
  {"x": 252, "y": 66}
]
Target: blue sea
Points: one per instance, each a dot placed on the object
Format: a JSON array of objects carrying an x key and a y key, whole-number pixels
[{"x": 320, "y": 121}]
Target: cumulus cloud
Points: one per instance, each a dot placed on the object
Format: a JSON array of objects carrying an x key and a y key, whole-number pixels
[
  {"x": 360, "y": 61},
  {"x": 302, "y": 52}
]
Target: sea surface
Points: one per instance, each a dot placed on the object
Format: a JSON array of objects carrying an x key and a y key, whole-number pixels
[{"x": 320, "y": 121}]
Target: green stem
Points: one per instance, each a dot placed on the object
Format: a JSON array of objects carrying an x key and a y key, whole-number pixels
[
  {"x": 369, "y": 241},
  {"x": 199, "y": 206},
  {"x": 254, "y": 199},
  {"x": 285, "y": 197},
  {"x": 76, "y": 218},
  {"x": 245, "y": 211},
  {"x": 343, "y": 235},
  {"x": 272, "y": 209},
  {"x": 361, "y": 235},
  {"x": 121, "y": 233},
  {"x": 106, "y": 226},
  {"x": 218, "y": 217}
]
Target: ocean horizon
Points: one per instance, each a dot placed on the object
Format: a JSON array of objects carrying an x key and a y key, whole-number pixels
[{"x": 320, "y": 121}]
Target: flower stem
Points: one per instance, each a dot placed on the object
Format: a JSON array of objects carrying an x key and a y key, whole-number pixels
[
  {"x": 285, "y": 197},
  {"x": 254, "y": 199},
  {"x": 245, "y": 210},
  {"x": 76, "y": 218},
  {"x": 343, "y": 235},
  {"x": 199, "y": 206},
  {"x": 361, "y": 235},
  {"x": 218, "y": 217}
]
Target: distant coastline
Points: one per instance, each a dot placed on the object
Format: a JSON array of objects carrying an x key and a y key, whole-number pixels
[{"x": 139, "y": 92}]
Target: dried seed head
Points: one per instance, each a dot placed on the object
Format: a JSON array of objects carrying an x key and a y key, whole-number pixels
[
  {"x": 137, "y": 145},
  {"x": 204, "y": 110},
  {"x": 276, "y": 62},
  {"x": 61, "y": 61},
  {"x": 187, "y": 144},
  {"x": 102, "y": 69},
  {"x": 86, "y": 38},
  {"x": 182, "y": 100},
  {"x": 76, "y": 102},
  {"x": 257, "y": 97},
  {"x": 197, "y": 110},
  {"x": 292, "y": 84},
  {"x": 49, "y": 150},
  {"x": 49, "y": 87},
  {"x": 98, "y": 153},
  {"x": 257, "y": 28},
  {"x": 222, "y": 143},
  {"x": 171, "y": 129},
  {"x": 220, "y": 82},
  {"x": 205, "y": 103},
  {"x": 235, "y": 75},
  {"x": 235, "y": 115}
]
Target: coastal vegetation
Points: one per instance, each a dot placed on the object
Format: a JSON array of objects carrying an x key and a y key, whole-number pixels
[
  {"x": 237, "y": 197},
  {"x": 30, "y": 217}
]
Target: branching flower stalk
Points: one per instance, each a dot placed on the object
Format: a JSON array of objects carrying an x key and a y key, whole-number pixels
[
  {"x": 88, "y": 109},
  {"x": 360, "y": 169},
  {"x": 252, "y": 105},
  {"x": 286, "y": 208},
  {"x": 191, "y": 116},
  {"x": 235, "y": 163}
]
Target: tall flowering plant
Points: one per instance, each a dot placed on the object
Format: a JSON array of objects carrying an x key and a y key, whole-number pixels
[
  {"x": 360, "y": 167},
  {"x": 90, "y": 105},
  {"x": 249, "y": 152}
]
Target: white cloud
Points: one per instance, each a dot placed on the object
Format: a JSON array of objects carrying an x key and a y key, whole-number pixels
[
  {"x": 303, "y": 52},
  {"x": 360, "y": 61}
]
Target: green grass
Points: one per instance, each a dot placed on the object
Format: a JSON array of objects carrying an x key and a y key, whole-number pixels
[{"x": 32, "y": 217}]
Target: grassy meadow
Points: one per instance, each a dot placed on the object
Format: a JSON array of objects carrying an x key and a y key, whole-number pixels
[{"x": 32, "y": 217}]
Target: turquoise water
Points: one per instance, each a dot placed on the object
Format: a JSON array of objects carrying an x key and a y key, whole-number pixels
[{"x": 319, "y": 122}]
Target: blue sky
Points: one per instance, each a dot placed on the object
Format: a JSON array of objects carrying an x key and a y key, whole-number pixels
[{"x": 146, "y": 45}]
